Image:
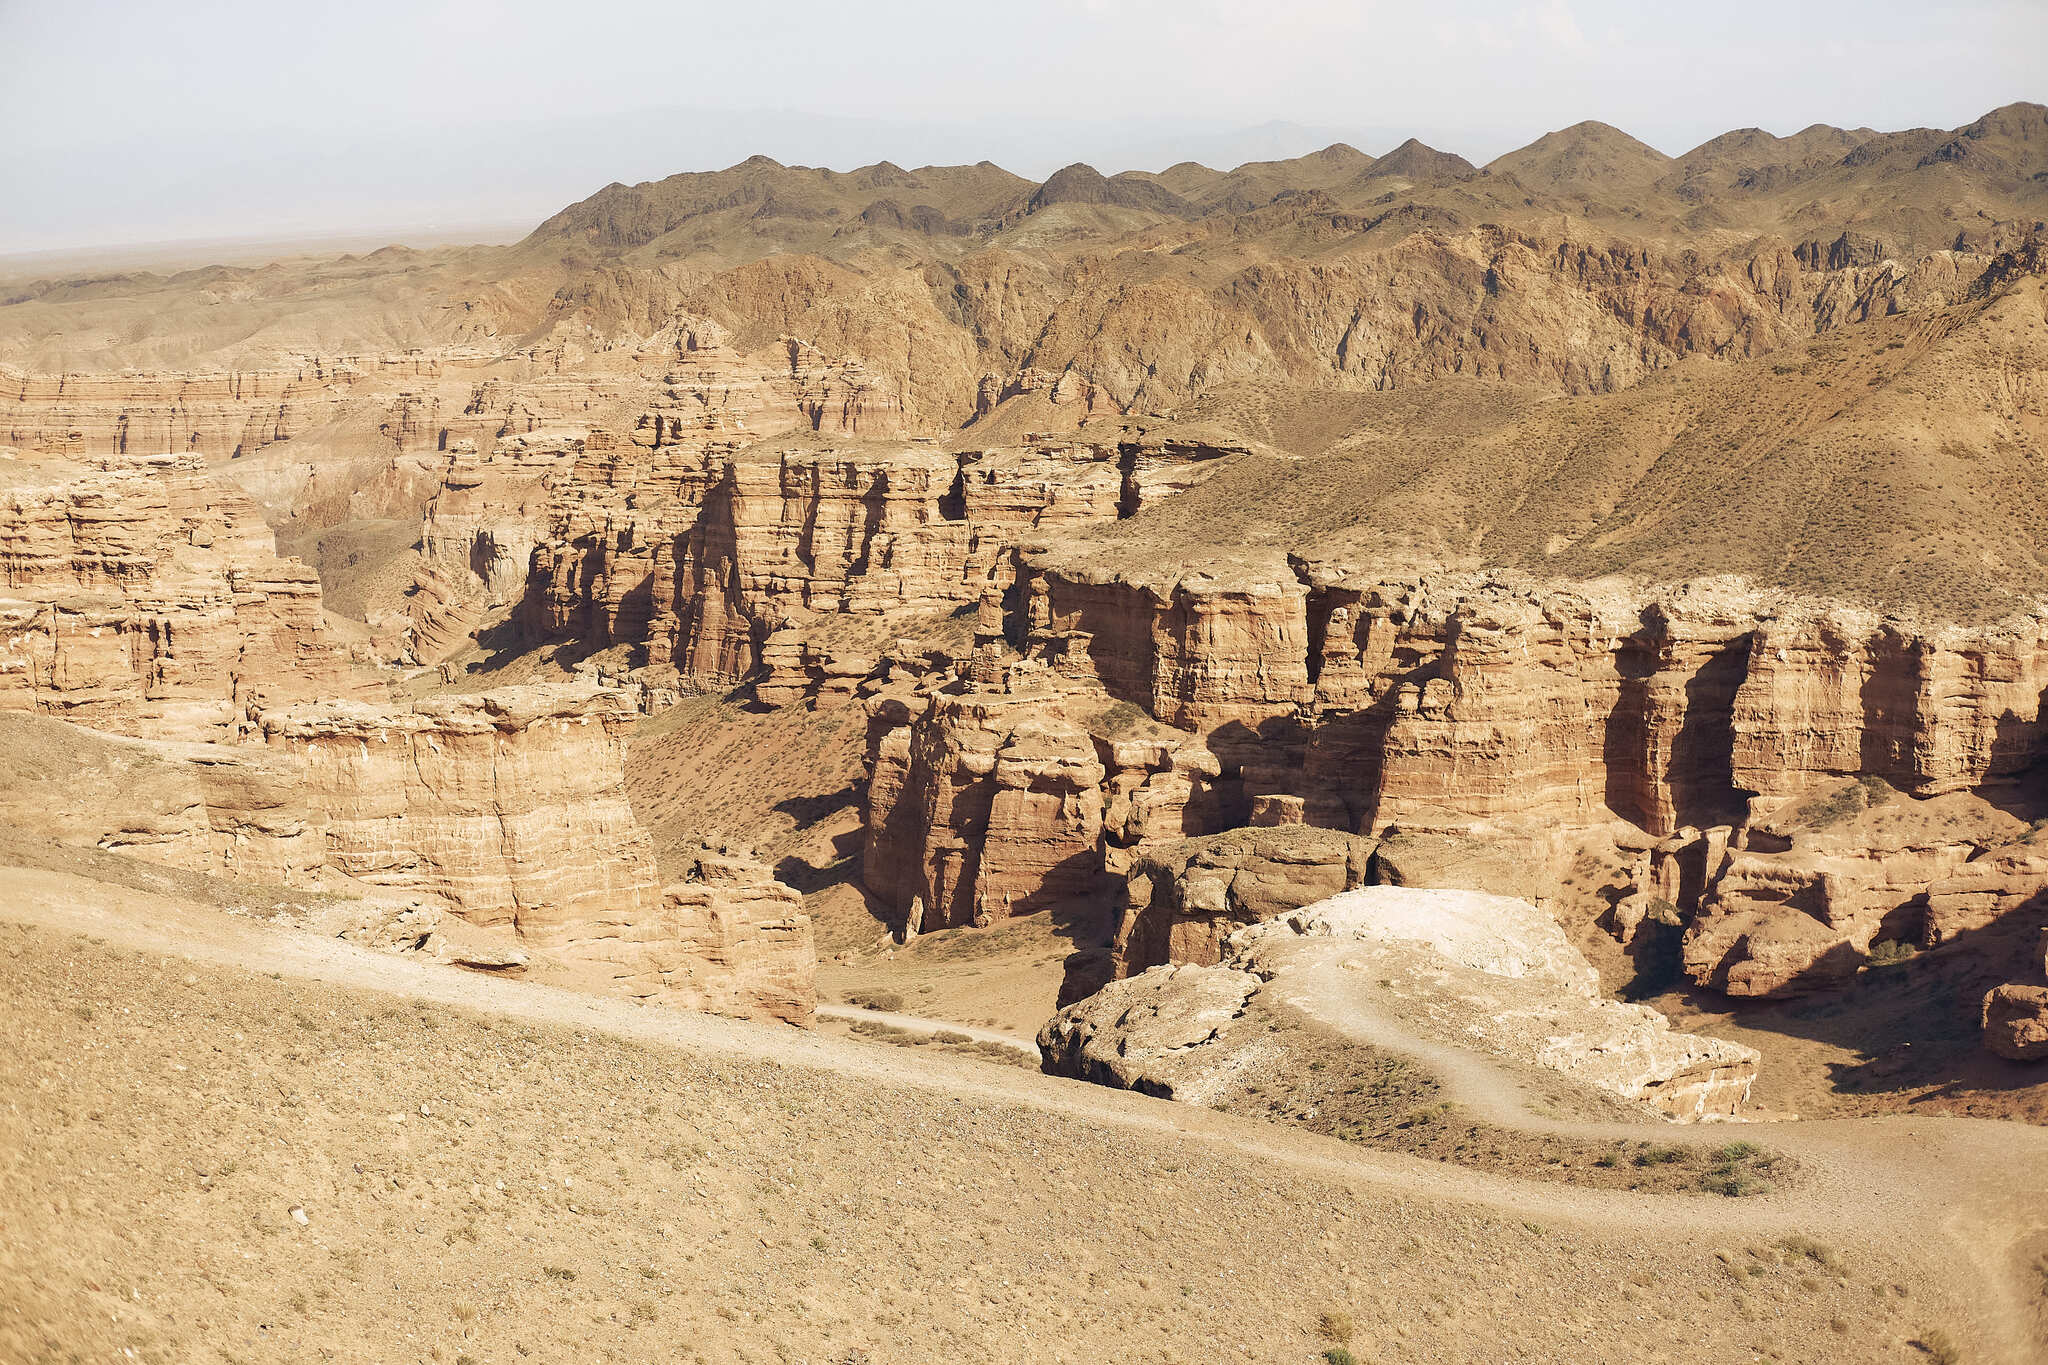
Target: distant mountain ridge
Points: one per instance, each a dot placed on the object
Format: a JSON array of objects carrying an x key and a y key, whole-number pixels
[{"x": 1916, "y": 190}]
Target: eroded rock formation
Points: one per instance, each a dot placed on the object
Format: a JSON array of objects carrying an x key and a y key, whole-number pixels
[
  {"x": 1450, "y": 703},
  {"x": 140, "y": 596},
  {"x": 2016, "y": 1022},
  {"x": 1402, "y": 969},
  {"x": 1797, "y": 896},
  {"x": 721, "y": 556},
  {"x": 1182, "y": 899},
  {"x": 509, "y": 807}
]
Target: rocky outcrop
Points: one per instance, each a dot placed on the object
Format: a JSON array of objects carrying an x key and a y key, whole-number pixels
[
  {"x": 1796, "y": 897},
  {"x": 509, "y": 808},
  {"x": 491, "y": 509},
  {"x": 140, "y": 596},
  {"x": 1405, "y": 970},
  {"x": 2000, "y": 886},
  {"x": 1182, "y": 899},
  {"x": 2016, "y": 1022},
  {"x": 727, "y": 938},
  {"x": 990, "y": 804},
  {"x": 1460, "y": 702}
]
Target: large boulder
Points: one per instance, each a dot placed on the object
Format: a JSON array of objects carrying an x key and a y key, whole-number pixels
[
  {"x": 2016, "y": 1022},
  {"x": 1183, "y": 898}
]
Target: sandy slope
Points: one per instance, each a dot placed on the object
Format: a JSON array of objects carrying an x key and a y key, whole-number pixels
[{"x": 681, "y": 1187}]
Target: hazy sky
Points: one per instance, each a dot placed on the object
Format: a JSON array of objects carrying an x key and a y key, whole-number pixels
[{"x": 139, "y": 120}]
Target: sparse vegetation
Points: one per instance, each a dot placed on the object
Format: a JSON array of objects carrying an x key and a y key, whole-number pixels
[{"x": 1940, "y": 1348}]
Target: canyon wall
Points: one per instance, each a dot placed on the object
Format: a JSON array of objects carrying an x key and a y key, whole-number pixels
[
  {"x": 138, "y": 595},
  {"x": 212, "y": 416},
  {"x": 509, "y": 808},
  {"x": 1455, "y": 703},
  {"x": 724, "y": 538}
]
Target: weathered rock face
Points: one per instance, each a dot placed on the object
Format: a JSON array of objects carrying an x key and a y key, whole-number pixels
[
  {"x": 1460, "y": 702},
  {"x": 232, "y": 810},
  {"x": 509, "y": 807},
  {"x": 2016, "y": 1022},
  {"x": 213, "y": 416},
  {"x": 491, "y": 508},
  {"x": 728, "y": 938},
  {"x": 140, "y": 596},
  {"x": 1184, "y": 898},
  {"x": 1402, "y": 969},
  {"x": 993, "y": 804},
  {"x": 639, "y": 532},
  {"x": 392, "y": 402},
  {"x": 1948, "y": 710},
  {"x": 722, "y": 557},
  {"x": 1793, "y": 900},
  {"x": 2001, "y": 885}
]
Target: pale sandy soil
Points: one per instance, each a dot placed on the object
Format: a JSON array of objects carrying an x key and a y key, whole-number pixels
[{"x": 495, "y": 1170}]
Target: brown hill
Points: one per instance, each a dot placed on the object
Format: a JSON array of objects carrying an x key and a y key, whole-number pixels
[
  {"x": 761, "y": 197},
  {"x": 1904, "y": 463},
  {"x": 1257, "y": 183},
  {"x": 1083, "y": 184},
  {"x": 1420, "y": 164},
  {"x": 1590, "y": 161}
]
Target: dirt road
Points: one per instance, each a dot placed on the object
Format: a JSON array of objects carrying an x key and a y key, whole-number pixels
[{"x": 960, "y": 1210}]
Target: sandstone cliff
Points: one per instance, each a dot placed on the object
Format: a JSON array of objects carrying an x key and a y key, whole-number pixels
[
  {"x": 1439, "y": 702},
  {"x": 140, "y": 596},
  {"x": 509, "y": 807}
]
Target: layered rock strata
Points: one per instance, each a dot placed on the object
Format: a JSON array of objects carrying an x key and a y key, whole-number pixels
[
  {"x": 212, "y": 416},
  {"x": 1797, "y": 897},
  {"x": 1449, "y": 703},
  {"x": 1182, "y": 899},
  {"x": 509, "y": 808},
  {"x": 509, "y": 805},
  {"x": 721, "y": 558},
  {"x": 1406, "y": 970},
  {"x": 727, "y": 938},
  {"x": 140, "y": 596}
]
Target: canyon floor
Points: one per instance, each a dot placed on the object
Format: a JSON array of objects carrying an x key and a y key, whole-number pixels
[{"x": 227, "y": 1140}]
